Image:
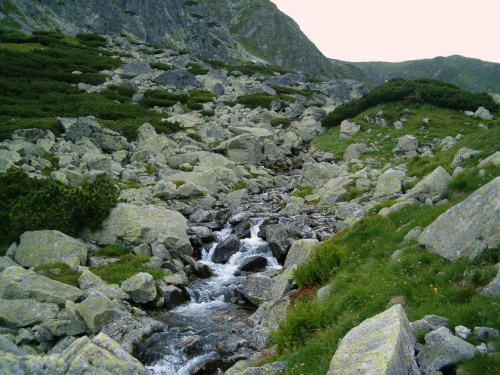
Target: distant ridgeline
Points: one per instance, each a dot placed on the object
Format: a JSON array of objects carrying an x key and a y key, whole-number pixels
[
  {"x": 467, "y": 73},
  {"x": 421, "y": 90}
]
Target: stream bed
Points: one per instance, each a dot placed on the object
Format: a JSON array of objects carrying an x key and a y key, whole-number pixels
[{"x": 212, "y": 329}]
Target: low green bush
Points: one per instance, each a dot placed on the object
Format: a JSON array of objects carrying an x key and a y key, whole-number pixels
[
  {"x": 285, "y": 121},
  {"x": 160, "y": 66},
  {"x": 38, "y": 204},
  {"x": 422, "y": 90},
  {"x": 196, "y": 68}
]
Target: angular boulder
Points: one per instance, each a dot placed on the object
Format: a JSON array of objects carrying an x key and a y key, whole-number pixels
[
  {"x": 380, "y": 345},
  {"x": 50, "y": 246},
  {"x": 141, "y": 287},
  {"x": 354, "y": 151},
  {"x": 389, "y": 183},
  {"x": 443, "y": 350},
  {"x": 468, "y": 228},
  {"x": 226, "y": 249},
  {"x": 256, "y": 288},
  {"x": 97, "y": 310},
  {"x": 431, "y": 186},
  {"x": 348, "y": 129},
  {"x": 300, "y": 251},
  {"x": 179, "y": 78},
  {"x": 20, "y": 313},
  {"x": 242, "y": 149},
  {"x": 18, "y": 283},
  {"x": 135, "y": 225},
  {"x": 101, "y": 355}
]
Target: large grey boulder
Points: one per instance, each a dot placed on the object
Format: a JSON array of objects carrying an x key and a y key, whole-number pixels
[
  {"x": 141, "y": 287},
  {"x": 256, "y": 288},
  {"x": 463, "y": 154},
  {"x": 20, "y": 313},
  {"x": 179, "y": 78},
  {"x": 389, "y": 183},
  {"x": 226, "y": 249},
  {"x": 97, "y": 310},
  {"x": 407, "y": 143},
  {"x": 348, "y": 129},
  {"x": 492, "y": 159},
  {"x": 133, "y": 69},
  {"x": 483, "y": 113},
  {"x": 207, "y": 179},
  {"x": 89, "y": 282},
  {"x": 468, "y": 228},
  {"x": 308, "y": 128},
  {"x": 317, "y": 174},
  {"x": 242, "y": 149},
  {"x": 431, "y": 186},
  {"x": 354, "y": 151},
  {"x": 299, "y": 252},
  {"x": 78, "y": 129},
  {"x": 443, "y": 350},
  {"x": 380, "y": 345},
  {"x": 50, "y": 246},
  {"x": 135, "y": 225},
  {"x": 18, "y": 283},
  {"x": 101, "y": 355}
]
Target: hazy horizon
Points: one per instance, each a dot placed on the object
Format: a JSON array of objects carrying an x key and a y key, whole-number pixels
[{"x": 396, "y": 31}]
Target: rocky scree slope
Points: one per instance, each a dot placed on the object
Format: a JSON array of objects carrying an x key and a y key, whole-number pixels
[
  {"x": 232, "y": 161},
  {"x": 219, "y": 29}
]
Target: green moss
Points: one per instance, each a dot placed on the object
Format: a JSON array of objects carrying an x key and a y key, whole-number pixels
[
  {"x": 285, "y": 121},
  {"x": 239, "y": 185},
  {"x": 160, "y": 66},
  {"x": 302, "y": 191},
  {"x": 64, "y": 273},
  {"x": 127, "y": 266},
  {"x": 196, "y": 69},
  {"x": 113, "y": 251}
]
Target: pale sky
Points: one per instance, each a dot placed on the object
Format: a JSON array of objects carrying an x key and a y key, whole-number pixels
[{"x": 399, "y": 30}]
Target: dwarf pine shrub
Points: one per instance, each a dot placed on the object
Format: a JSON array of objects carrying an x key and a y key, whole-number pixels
[{"x": 42, "y": 204}]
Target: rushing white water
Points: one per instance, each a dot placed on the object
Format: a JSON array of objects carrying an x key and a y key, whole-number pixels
[{"x": 208, "y": 313}]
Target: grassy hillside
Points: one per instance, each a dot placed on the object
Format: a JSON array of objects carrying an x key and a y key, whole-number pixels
[
  {"x": 467, "y": 73},
  {"x": 357, "y": 262}
]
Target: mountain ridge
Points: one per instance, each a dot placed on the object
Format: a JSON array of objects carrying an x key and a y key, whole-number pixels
[
  {"x": 468, "y": 73},
  {"x": 219, "y": 29}
]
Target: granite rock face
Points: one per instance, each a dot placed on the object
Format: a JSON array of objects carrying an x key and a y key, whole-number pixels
[
  {"x": 50, "y": 246},
  {"x": 468, "y": 228},
  {"x": 380, "y": 345},
  {"x": 135, "y": 225},
  {"x": 18, "y": 283}
]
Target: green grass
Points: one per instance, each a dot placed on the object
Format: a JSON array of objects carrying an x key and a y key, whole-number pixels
[
  {"x": 482, "y": 365},
  {"x": 285, "y": 121},
  {"x": 67, "y": 275},
  {"x": 302, "y": 191},
  {"x": 442, "y": 123},
  {"x": 239, "y": 185},
  {"x": 113, "y": 251},
  {"x": 357, "y": 261},
  {"x": 127, "y": 266}
]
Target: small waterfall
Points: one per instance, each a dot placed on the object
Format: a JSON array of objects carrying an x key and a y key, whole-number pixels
[{"x": 210, "y": 316}]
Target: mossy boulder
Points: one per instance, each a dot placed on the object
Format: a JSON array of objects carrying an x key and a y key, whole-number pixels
[
  {"x": 135, "y": 225},
  {"x": 41, "y": 247},
  {"x": 141, "y": 287},
  {"x": 467, "y": 229},
  {"x": 20, "y": 313},
  {"x": 18, "y": 283},
  {"x": 97, "y": 310},
  {"x": 380, "y": 345}
]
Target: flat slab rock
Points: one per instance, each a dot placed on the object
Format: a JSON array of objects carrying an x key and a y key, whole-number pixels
[
  {"x": 468, "y": 228},
  {"x": 382, "y": 345}
]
